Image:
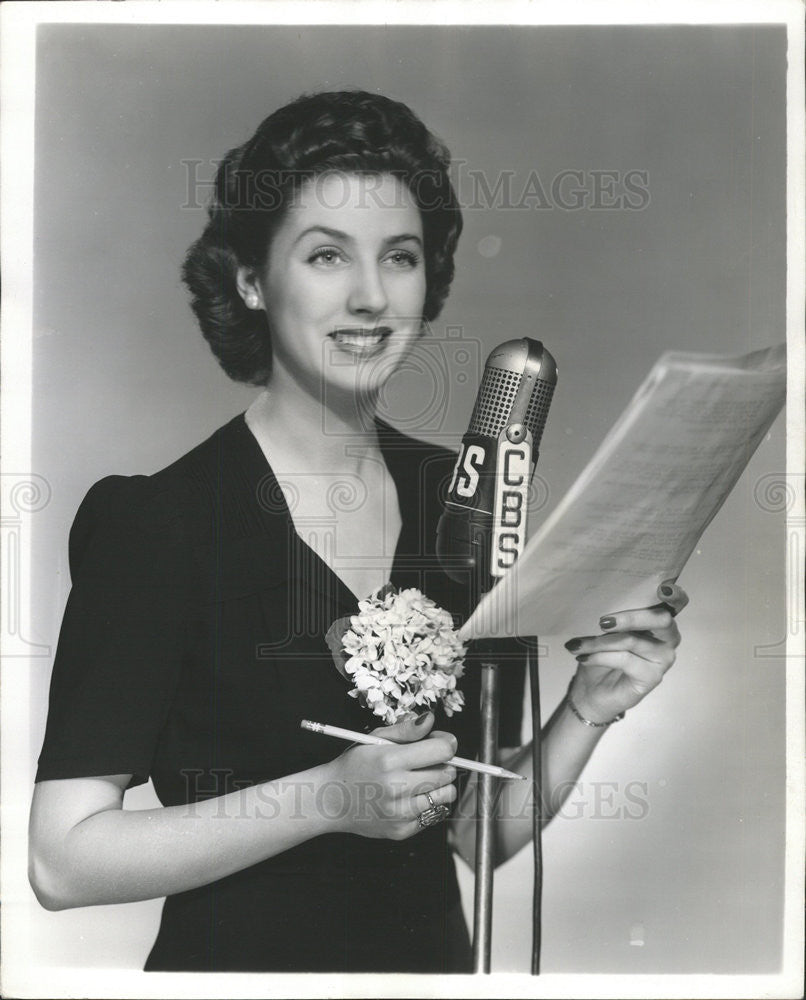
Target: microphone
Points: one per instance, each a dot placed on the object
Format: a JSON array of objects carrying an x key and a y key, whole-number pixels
[
  {"x": 482, "y": 530},
  {"x": 481, "y": 534}
]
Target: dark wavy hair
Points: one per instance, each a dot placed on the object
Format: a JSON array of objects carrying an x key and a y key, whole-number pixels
[{"x": 346, "y": 131}]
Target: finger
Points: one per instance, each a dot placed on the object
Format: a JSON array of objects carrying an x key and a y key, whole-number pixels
[
  {"x": 426, "y": 780},
  {"x": 439, "y": 797},
  {"x": 405, "y": 785},
  {"x": 656, "y": 618},
  {"x": 642, "y": 643},
  {"x": 643, "y": 674},
  {"x": 408, "y": 730},
  {"x": 424, "y": 753},
  {"x": 672, "y": 596},
  {"x": 443, "y": 734}
]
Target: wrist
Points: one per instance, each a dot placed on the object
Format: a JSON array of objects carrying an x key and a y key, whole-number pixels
[
  {"x": 310, "y": 800},
  {"x": 332, "y": 804},
  {"x": 587, "y": 710}
]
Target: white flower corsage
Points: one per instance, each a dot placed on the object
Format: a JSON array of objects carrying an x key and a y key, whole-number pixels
[{"x": 401, "y": 652}]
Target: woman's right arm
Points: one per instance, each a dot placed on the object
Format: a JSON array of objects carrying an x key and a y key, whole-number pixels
[{"x": 85, "y": 849}]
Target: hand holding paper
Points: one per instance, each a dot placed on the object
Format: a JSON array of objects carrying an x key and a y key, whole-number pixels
[
  {"x": 636, "y": 513},
  {"x": 620, "y": 666}
]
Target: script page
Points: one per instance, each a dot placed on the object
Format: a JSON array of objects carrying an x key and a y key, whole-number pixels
[{"x": 637, "y": 511}]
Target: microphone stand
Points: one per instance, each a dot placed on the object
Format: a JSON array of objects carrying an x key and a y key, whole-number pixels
[
  {"x": 486, "y": 803},
  {"x": 485, "y": 811},
  {"x": 489, "y": 654}
]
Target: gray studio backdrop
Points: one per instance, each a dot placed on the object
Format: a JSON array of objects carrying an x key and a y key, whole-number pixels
[{"x": 668, "y": 235}]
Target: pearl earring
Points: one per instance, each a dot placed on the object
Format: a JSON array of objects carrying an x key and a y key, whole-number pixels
[{"x": 251, "y": 301}]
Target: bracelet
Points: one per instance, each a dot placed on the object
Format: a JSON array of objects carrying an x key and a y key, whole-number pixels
[{"x": 587, "y": 722}]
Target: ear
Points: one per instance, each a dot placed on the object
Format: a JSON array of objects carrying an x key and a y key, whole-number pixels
[{"x": 249, "y": 288}]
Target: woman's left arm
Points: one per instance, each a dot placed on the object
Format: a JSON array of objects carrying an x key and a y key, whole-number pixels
[{"x": 616, "y": 670}]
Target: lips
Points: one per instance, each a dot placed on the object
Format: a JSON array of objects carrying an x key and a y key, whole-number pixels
[{"x": 360, "y": 339}]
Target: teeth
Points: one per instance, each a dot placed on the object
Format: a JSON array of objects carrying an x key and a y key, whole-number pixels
[
  {"x": 365, "y": 340},
  {"x": 359, "y": 340}
]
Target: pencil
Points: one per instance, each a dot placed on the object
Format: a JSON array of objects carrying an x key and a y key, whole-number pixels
[{"x": 348, "y": 734}]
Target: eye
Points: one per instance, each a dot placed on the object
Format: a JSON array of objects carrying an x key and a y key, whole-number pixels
[
  {"x": 327, "y": 257},
  {"x": 403, "y": 259}
]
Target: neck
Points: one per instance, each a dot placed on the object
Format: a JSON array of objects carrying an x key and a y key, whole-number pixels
[{"x": 310, "y": 427}]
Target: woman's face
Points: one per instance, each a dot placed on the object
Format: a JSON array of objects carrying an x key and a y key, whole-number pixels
[{"x": 344, "y": 283}]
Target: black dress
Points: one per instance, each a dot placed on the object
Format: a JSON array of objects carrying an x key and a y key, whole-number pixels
[{"x": 192, "y": 646}]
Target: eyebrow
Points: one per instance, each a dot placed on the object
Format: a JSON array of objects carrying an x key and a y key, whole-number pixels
[{"x": 338, "y": 234}]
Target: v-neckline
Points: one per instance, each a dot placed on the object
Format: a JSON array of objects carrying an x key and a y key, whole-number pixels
[{"x": 348, "y": 598}]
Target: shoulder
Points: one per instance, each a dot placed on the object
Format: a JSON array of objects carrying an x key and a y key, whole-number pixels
[{"x": 176, "y": 505}]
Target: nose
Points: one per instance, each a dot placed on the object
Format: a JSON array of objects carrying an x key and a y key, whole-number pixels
[{"x": 368, "y": 293}]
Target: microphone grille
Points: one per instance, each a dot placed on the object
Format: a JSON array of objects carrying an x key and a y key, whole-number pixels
[
  {"x": 495, "y": 399},
  {"x": 538, "y": 408}
]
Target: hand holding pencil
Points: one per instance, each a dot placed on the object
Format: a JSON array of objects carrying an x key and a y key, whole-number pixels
[
  {"x": 394, "y": 786},
  {"x": 369, "y": 739}
]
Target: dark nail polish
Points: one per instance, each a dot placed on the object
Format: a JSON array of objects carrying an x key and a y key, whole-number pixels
[
  {"x": 573, "y": 644},
  {"x": 422, "y": 719},
  {"x": 608, "y": 622}
]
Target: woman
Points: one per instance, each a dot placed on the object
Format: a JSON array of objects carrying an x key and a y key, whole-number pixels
[{"x": 193, "y": 641}]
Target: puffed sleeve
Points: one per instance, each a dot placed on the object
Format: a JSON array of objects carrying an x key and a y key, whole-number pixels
[{"x": 123, "y": 635}]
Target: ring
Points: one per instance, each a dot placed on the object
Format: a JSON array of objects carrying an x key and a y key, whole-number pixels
[{"x": 433, "y": 815}]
